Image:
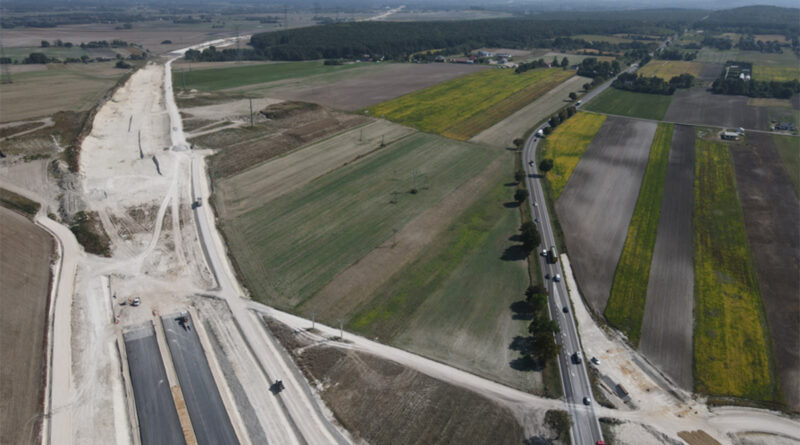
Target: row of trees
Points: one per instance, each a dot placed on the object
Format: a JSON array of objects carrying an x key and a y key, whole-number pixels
[
  {"x": 675, "y": 54},
  {"x": 749, "y": 43},
  {"x": 755, "y": 88},
  {"x": 591, "y": 67},
  {"x": 652, "y": 85},
  {"x": 533, "y": 64}
]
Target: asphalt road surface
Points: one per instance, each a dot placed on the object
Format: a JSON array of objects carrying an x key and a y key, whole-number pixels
[
  {"x": 158, "y": 419},
  {"x": 574, "y": 378},
  {"x": 209, "y": 419}
]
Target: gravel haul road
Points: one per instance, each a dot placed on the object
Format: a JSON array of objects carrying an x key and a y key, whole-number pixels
[
  {"x": 667, "y": 324},
  {"x": 158, "y": 419},
  {"x": 596, "y": 206}
]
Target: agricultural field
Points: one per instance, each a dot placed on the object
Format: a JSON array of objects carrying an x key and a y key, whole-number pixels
[
  {"x": 241, "y": 147},
  {"x": 771, "y": 212},
  {"x": 789, "y": 150},
  {"x": 666, "y": 335},
  {"x": 697, "y": 106},
  {"x": 667, "y": 69},
  {"x": 367, "y": 86},
  {"x": 21, "y": 52},
  {"x": 256, "y": 186},
  {"x": 25, "y": 281},
  {"x": 566, "y": 145},
  {"x": 628, "y": 103},
  {"x": 335, "y": 220},
  {"x": 213, "y": 79},
  {"x": 70, "y": 87},
  {"x": 442, "y": 306},
  {"x": 503, "y": 133},
  {"x": 776, "y": 73},
  {"x": 463, "y": 107},
  {"x": 627, "y": 301},
  {"x": 380, "y": 401},
  {"x": 731, "y": 347},
  {"x": 784, "y": 59},
  {"x": 596, "y": 206}
]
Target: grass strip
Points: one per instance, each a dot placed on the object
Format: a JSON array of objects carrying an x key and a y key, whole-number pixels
[
  {"x": 731, "y": 354},
  {"x": 18, "y": 203},
  {"x": 566, "y": 145},
  {"x": 789, "y": 151},
  {"x": 628, "y": 293},
  {"x": 628, "y": 103}
]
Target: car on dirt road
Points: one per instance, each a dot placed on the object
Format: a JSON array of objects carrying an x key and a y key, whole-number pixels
[
  {"x": 587, "y": 401},
  {"x": 595, "y": 360}
]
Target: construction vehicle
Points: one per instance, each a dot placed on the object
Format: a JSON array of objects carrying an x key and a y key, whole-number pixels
[
  {"x": 277, "y": 387},
  {"x": 183, "y": 320}
]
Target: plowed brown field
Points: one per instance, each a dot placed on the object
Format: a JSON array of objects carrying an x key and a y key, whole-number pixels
[{"x": 596, "y": 206}]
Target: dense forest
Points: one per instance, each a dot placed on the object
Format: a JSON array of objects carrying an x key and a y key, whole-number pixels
[
  {"x": 397, "y": 40},
  {"x": 759, "y": 19}
]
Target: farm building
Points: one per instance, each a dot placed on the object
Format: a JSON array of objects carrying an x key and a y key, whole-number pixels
[{"x": 785, "y": 126}]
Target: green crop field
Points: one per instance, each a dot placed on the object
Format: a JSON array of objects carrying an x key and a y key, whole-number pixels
[
  {"x": 789, "y": 150},
  {"x": 452, "y": 302},
  {"x": 566, "y": 146},
  {"x": 731, "y": 351},
  {"x": 627, "y": 103},
  {"x": 290, "y": 247},
  {"x": 626, "y": 304},
  {"x": 59, "y": 52},
  {"x": 461, "y": 108},
  {"x": 213, "y": 79},
  {"x": 777, "y": 73}
]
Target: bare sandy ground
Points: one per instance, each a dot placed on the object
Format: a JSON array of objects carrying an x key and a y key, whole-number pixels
[
  {"x": 771, "y": 217},
  {"x": 24, "y": 283},
  {"x": 667, "y": 325},
  {"x": 595, "y": 208},
  {"x": 373, "y": 87},
  {"x": 259, "y": 185},
  {"x": 503, "y": 133},
  {"x": 356, "y": 284}
]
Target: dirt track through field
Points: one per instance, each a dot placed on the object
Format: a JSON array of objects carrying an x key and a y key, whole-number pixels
[
  {"x": 374, "y": 87},
  {"x": 699, "y": 107},
  {"x": 667, "y": 324},
  {"x": 353, "y": 286},
  {"x": 596, "y": 206},
  {"x": 24, "y": 284},
  {"x": 771, "y": 215}
]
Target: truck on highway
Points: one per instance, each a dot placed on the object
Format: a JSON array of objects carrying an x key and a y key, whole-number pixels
[{"x": 552, "y": 256}]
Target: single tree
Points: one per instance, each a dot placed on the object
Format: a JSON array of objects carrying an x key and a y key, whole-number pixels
[
  {"x": 520, "y": 195},
  {"x": 587, "y": 86},
  {"x": 554, "y": 63},
  {"x": 529, "y": 236},
  {"x": 45, "y": 44},
  {"x": 547, "y": 130},
  {"x": 546, "y": 165},
  {"x": 518, "y": 142},
  {"x": 573, "y": 96},
  {"x": 519, "y": 175},
  {"x": 564, "y": 62},
  {"x": 545, "y": 347}
]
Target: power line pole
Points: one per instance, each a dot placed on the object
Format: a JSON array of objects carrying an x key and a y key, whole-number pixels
[
  {"x": 313, "y": 319},
  {"x": 251, "y": 112},
  {"x": 341, "y": 330}
]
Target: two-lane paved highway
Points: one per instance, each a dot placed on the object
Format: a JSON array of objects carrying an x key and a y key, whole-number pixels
[{"x": 574, "y": 377}]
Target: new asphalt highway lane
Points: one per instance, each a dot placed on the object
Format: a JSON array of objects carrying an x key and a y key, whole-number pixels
[
  {"x": 209, "y": 419},
  {"x": 574, "y": 378},
  {"x": 158, "y": 420}
]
